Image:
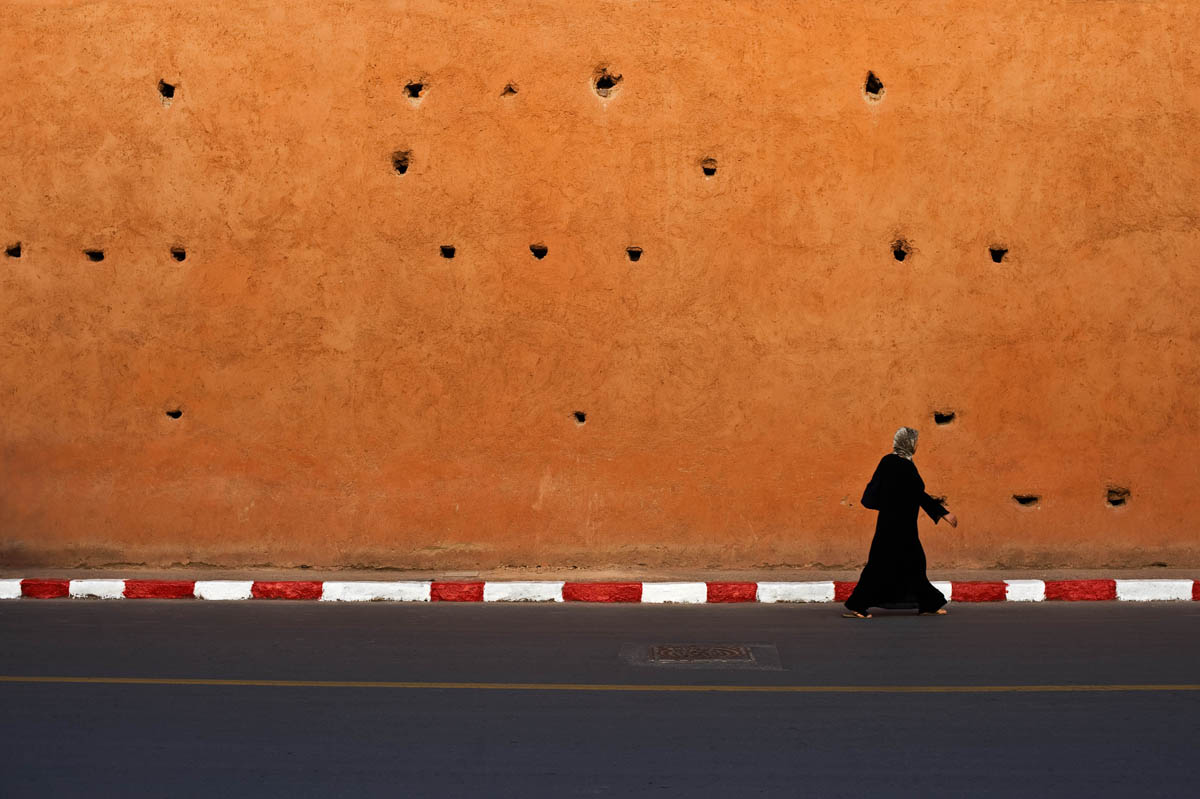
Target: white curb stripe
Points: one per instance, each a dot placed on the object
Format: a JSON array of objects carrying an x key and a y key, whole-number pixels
[
  {"x": 523, "y": 592},
  {"x": 1152, "y": 590},
  {"x": 10, "y": 589},
  {"x": 223, "y": 589},
  {"x": 100, "y": 589},
  {"x": 795, "y": 592},
  {"x": 375, "y": 591},
  {"x": 945, "y": 586},
  {"x": 1025, "y": 590},
  {"x": 675, "y": 592}
]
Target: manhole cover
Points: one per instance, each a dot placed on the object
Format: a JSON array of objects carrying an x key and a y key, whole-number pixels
[{"x": 701, "y": 653}]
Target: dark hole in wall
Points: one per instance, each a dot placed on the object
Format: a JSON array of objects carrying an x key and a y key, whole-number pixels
[
  {"x": 1027, "y": 500},
  {"x": 400, "y": 161},
  {"x": 900, "y": 249},
  {"x": 997, "y": 253},
  {"x": 1117, "y": 496},
  {"x": 709, "y": 167},
  {"x": 634, "y": 253},
  {"x": 874, "y": 86},
  {"x": 539, "y": 250},
  {"x": 448, "y": 251},
  {"x": 509, "y": 90},
  {"x": 13, "y": 250},
  {"x": 605, "y": 82},
  {"x": 943, "y": 417},
  {"x": 580, "y": 417},
  {"x": 175, "y": 414},
  {"x": 166, "y": 89},
  {"x": 414, "y": 89},
  {"x": 94, "y": 255},
  {"x": 178, "y": 253}
]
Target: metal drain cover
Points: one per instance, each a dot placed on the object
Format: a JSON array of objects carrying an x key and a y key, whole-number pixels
[
  {"x": 701, "y": 653},
  {"x": 719, "y": 657}
]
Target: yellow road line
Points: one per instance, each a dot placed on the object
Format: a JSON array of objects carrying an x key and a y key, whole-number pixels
[{"x": 542, "y": 686}]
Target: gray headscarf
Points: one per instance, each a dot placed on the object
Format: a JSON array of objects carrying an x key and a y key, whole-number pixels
[{"x": 904, "y": 443}]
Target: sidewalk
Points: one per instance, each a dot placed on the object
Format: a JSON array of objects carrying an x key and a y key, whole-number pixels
[{"x": 766, "y": 574}]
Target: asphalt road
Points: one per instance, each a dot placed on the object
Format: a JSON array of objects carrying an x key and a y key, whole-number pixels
[{"x": 894, "y": 706}]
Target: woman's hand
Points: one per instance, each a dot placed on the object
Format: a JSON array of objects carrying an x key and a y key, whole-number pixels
[{"x": 951, "y": 519}]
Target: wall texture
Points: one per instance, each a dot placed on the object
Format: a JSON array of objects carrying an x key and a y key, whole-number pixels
[{"x": 348, "y": 396}]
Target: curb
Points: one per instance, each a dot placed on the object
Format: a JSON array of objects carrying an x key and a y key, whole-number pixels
[{"x": 549, "y": 591}]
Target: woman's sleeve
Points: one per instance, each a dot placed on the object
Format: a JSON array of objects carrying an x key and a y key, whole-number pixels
[{"x": 934, "y": 508}]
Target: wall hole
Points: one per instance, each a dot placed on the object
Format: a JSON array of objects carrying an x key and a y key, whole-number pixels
[
  {"x": 166, "y": 89},
  {"x": 509, "y": 90},
  {"x": 178, "y": 253},
  {"x": 997, "y": 253},
  {"x": 447, "y": 251},
  {"x": 709, "y": 167},
  {"x": 539, "y": 250},
  {"x": 1117, "y": 496},
  {"x": 580, "y": 417},
  {"x": 13, "y": 250},
  {"x": 401, "y": 160},
  {"x": 1027, "y": 500},
  {"x": 943, "y": 417},
  {"x": 414, "y": 89},
  {"x": 634, "y": 253},
  {"x": 901, "y": 249},
  {"x": 873, "y": 88},
  {"x": 605, "y": 82},
  {"x": 175, "y": 414},
  {"x": 94, "y": 255}
]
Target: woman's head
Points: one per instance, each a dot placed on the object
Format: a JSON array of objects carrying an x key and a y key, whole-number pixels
[{"x": 904, "y": 443}]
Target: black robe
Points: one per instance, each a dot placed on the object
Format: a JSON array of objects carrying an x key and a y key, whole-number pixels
[{"x": 895, "y": 572}]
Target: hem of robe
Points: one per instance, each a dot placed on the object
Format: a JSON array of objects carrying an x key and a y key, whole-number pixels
[{"x": 906, "y": 603}]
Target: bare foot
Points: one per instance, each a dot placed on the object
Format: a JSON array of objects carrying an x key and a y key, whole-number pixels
[
  {"x": 941, "y": 612},
  {"x": 854, "y": 614}
]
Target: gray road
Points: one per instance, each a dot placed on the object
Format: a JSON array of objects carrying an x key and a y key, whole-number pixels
[{"x": 98, "y": 739}]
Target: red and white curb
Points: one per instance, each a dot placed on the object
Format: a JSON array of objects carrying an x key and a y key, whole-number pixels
[{"x": 548, "y": 591}]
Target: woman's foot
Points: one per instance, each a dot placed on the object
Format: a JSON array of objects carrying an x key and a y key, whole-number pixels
[
  {"x": 941, "y": 612},
  {"x": 854, "y": 614}
]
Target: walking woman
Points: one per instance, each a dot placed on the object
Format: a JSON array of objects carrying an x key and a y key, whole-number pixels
[{"x": 895, "y": 570}]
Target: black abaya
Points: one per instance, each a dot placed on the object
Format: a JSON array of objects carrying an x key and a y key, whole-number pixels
[{"x": 895, "y": 572}]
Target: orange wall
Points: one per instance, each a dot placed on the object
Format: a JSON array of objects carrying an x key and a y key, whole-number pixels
[{"x": 351, "y": 397}]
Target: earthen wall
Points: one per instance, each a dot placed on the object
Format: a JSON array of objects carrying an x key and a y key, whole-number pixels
[{"x": 276, "y": 362}]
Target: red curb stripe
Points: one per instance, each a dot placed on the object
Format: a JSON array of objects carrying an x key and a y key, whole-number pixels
[
  {"x": 842, "y": 590},
  {"x": 978, "y": 592},
  {"x": 456, "y": 592},
  {"x": 285, "y": 590},
  {"x": 159, "y": 589},
  {"x": 45, "y": 589},
  {"x": 732, "y": 592},
  {"x": 1081, "y": 590},
  {"x": 602, "y": 592},
  {"x": 1196, "y": 590}
]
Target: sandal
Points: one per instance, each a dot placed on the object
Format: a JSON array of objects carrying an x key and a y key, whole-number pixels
[
  {"x": 854, "y": 614},
  {"x": 939, "y": 612}
]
